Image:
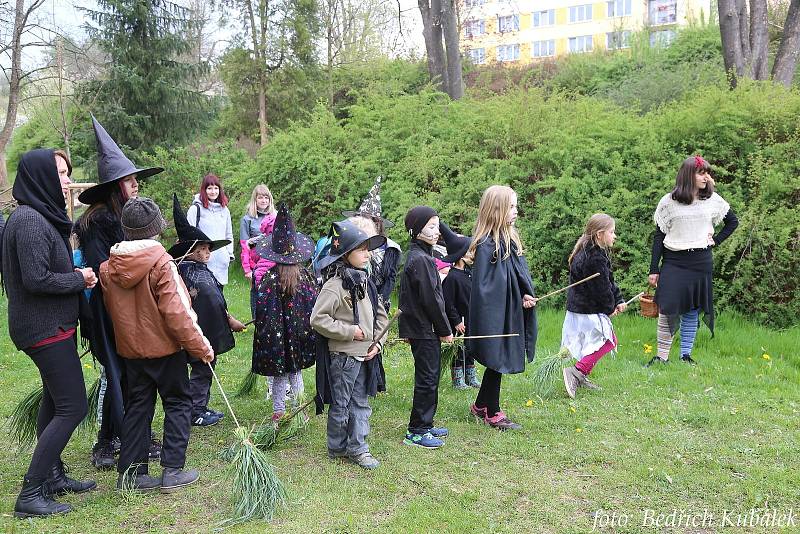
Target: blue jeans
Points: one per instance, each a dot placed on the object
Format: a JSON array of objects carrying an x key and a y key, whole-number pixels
[{"x": 348, "y": 416}]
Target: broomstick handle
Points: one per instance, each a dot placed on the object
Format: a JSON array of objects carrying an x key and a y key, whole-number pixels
[
  {"x": 487, "y": 337},
  {"x": 637, "y": 297},
  {"x": 179, "y": 260},
  {"x": 301, "y": 408},
  {"x": 251, "y": 321},
  {"x": 383, "y": 332},
  {"x": 225, "y": 397},
  {"x": 557, "y": 291}
]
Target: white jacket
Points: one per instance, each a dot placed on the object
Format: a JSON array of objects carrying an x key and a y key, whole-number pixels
[{"x": 215, "y": 222}]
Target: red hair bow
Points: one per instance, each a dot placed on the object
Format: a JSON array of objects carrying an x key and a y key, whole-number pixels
[{"x": 699, "y": 162}]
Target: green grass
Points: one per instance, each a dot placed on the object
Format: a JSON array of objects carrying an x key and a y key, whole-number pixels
[{"x": 719, "y": 436}]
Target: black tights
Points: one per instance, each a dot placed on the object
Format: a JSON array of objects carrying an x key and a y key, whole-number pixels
[
  {"x": 489, "y": 394},
  {"x": 63, "y": 404}
]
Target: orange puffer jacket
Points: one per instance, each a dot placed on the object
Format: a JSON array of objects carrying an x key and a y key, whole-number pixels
[{"x": 149, "y": 304}]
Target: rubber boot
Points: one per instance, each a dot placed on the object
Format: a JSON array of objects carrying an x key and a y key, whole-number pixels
[{"x": 32, "y": 501}]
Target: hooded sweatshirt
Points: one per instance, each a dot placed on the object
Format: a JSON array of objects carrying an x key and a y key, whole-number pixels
[{"x": 149, "y": 304}]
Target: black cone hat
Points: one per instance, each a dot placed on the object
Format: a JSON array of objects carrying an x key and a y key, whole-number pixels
[
  {"x": 188, "y": 235},
  {"x": 112, "y": 166}
]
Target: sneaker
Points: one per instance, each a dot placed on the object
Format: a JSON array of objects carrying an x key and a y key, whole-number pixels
[
  {"x": 688, "y": 359},
  {"x": 426, "y": 440},
  {"x": 142, "y": 483},
  {"x": 457, "y": 374},
  {"x": 336, "y": 455},
  {"x": 571, "y": 380},
  {"x": 655, "y": 359},
  {"x": 588, "y": 384},
  {"x": 219, "y": 415},
  {"x": 173, "y": 479},
  {"x": 205, "y": 419},
  {"x": 103, "y": 455},
  {"x": 479, "y": 413},
  {"x": 438, "y": 432},
  {"x": 472, "y": 377},
  {"x": 365, "y": 460},
  {"x": 155, "y": 449},
  {"x": 502, "y": 423}
]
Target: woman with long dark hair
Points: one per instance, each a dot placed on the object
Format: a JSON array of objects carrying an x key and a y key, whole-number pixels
[
  {"x": 98, "y": 229},
  {"x": 43, "y": 290},
  {"x": 682, "y": 264}
]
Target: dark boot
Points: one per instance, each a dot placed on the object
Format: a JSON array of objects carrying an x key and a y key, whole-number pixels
[
  {"x": 458, "y": 378},
  {"x": 58, "y": 483},
  {"x": 32, "y": 502},
  {"x": 472, "y": 377},
  {"x": 173, "y": 479},
  {"x": 132, "y": 480},
  {"x": 103, "y": 455}
]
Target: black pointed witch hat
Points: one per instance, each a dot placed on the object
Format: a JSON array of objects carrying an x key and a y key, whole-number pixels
[
  {"x": 285, "y": 245},
  {"x": 112, "y": 166},
  {"x": 188, "y": 235},
  {"x": 346, "y": 237},
  {"x": 457, "y": 245},
  {"x": 371, "y": 206}
]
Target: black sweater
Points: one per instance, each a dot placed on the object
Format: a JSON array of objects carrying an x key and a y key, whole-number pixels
[
  {"x": 103, "y": 232},
  {"x": 598, "y": 295},
  {"x": 456, "y": 290},
  {"x": 421, "y": 296},
  {"x": 39, "y": 280}
]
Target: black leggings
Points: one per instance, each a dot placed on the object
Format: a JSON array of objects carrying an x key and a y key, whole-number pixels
[
  {"x": 63, "y": 404},
  {"x": 489, "y": 394}
]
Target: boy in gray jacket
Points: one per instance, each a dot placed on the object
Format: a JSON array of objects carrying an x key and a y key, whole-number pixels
[{"x": 349, "y": 314}]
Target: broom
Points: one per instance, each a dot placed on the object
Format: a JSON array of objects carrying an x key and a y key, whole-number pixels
[
  {"x": 248, "y": 386},
  {"x": 257, "y": 492},
  {"x": 273, "y": 435}
]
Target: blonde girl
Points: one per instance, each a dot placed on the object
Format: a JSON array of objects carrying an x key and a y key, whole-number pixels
[{"x": 501, "y": 302}]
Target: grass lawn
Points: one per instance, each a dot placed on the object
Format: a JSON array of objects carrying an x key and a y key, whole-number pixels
[{"x": 722, "y": 436}]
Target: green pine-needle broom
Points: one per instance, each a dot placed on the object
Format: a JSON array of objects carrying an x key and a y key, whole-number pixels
[
  {"x": 248, "y": 385},
  {"x": 548, "y": 370}
]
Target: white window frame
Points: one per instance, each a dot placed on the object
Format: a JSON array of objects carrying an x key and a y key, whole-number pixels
[
  {"x": 578, "y": 44},
  {"x": 546, "y": 48},
  {"x": 504, "y": 50},
  {"x": 470, "y": 28},
  {"x": 618, "y": 40},
  {"x": 668, "y": 37},
  {"x": 541, "y": 19},
  {"x": 619, "y": 8},
  {"x": 580, "y": 13},
  {"x": 668, "y": 7},
  {"x": 477, "y": 55},
  {"x": 474, "y": 3},
  {"x": 512, "y": 19}
]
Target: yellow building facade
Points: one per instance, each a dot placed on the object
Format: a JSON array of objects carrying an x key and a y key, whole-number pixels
[{"x": 522, "y": 31}]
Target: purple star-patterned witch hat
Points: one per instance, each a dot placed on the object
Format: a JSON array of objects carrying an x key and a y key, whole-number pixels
[
  {"x": 371, "y": 206},
  {"x": 285, "y": 244}
]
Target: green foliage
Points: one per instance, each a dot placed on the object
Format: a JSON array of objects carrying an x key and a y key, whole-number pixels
[{"x": 148, "y": 95}]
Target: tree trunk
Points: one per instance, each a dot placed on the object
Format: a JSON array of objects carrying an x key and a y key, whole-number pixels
[
  {"x": 759, "y": 40},
  {"x": 455, "y": 85},
  {"x": 730, "y": 32},
  {"x": 432, "y": 32},
  {"x": 786, "y": 58},
  {"x": 744, "y": 32},
  {"x": 262, "y": 107},
  {"x": 14, "y": 77}
]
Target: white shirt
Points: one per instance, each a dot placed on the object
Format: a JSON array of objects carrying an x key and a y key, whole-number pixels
[{"x": 688, "y": 226}]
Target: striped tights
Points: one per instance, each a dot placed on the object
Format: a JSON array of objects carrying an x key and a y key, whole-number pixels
[{"x": 688, "y": 331}]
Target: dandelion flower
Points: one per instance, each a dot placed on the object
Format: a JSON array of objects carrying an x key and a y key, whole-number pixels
[
  {"x": 529, "y": 403},
  {"x": 578, "y": 430},
  {"x": 648, "y": 348},
  {"x": 572, "y": 409},
  {"x": 766, "y": 356}
]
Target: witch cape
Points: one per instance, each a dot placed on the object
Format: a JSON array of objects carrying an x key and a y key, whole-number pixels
[
  {"x": 496, "y": 308},
  {"x": 376, "y": 376},
  {"x": 209, "y": 304}
]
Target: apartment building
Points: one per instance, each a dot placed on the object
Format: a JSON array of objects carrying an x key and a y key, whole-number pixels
[{"x": 521, "y": 31}]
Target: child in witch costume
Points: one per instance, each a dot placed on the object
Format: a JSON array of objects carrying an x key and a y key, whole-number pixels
[
  {"x": 284, "y": 343},
  {"x": 424, "y": 323},
  {"x": 384, "y": 260},
  {"x": 501, "y": 302},
  {"x": 587, "y": 331},
  {"x": 349, "y": 316},
  {"x": 192, "y": 253},
  {"x": 456, "y": 289},
  {"x": 154, "y": 328}
]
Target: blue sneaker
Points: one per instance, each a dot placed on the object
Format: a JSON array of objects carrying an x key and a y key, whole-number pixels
[
  {"x": 438, "y": 432},
  {"x": 425, "y": 440}
]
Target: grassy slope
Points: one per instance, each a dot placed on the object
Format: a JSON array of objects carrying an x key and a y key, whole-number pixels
[{"x": 722, "y": 435}]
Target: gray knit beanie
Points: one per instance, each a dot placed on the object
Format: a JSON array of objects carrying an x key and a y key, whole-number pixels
[{"x": 142, "y": 219}]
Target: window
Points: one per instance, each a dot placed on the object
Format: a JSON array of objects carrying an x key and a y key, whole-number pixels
[
  {"x": 508, "y": 52},
  {"x": 619, "y": 8},
  {"x": 509, "y": 23},
  {"x": 617, "y": 40},
  {"x": 663, "y": 12},
  {"x": 544, "y": 18},
  {"x": 543, "y": 48},
  {"x": 474, "y": 3},
  {"x": 580, "y": 13},
  {"x": 582, "y": 43},
  {"x": 662, "y": 37},
  {"x": 477, "y": 55},
  {"x": 473, "y": 28}
]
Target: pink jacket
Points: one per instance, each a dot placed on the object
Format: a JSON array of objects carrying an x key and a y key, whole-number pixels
[{"x": 259, "y": 265}]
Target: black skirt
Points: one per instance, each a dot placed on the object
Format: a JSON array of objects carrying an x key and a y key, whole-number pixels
[{"x": 685, "y": 284}]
